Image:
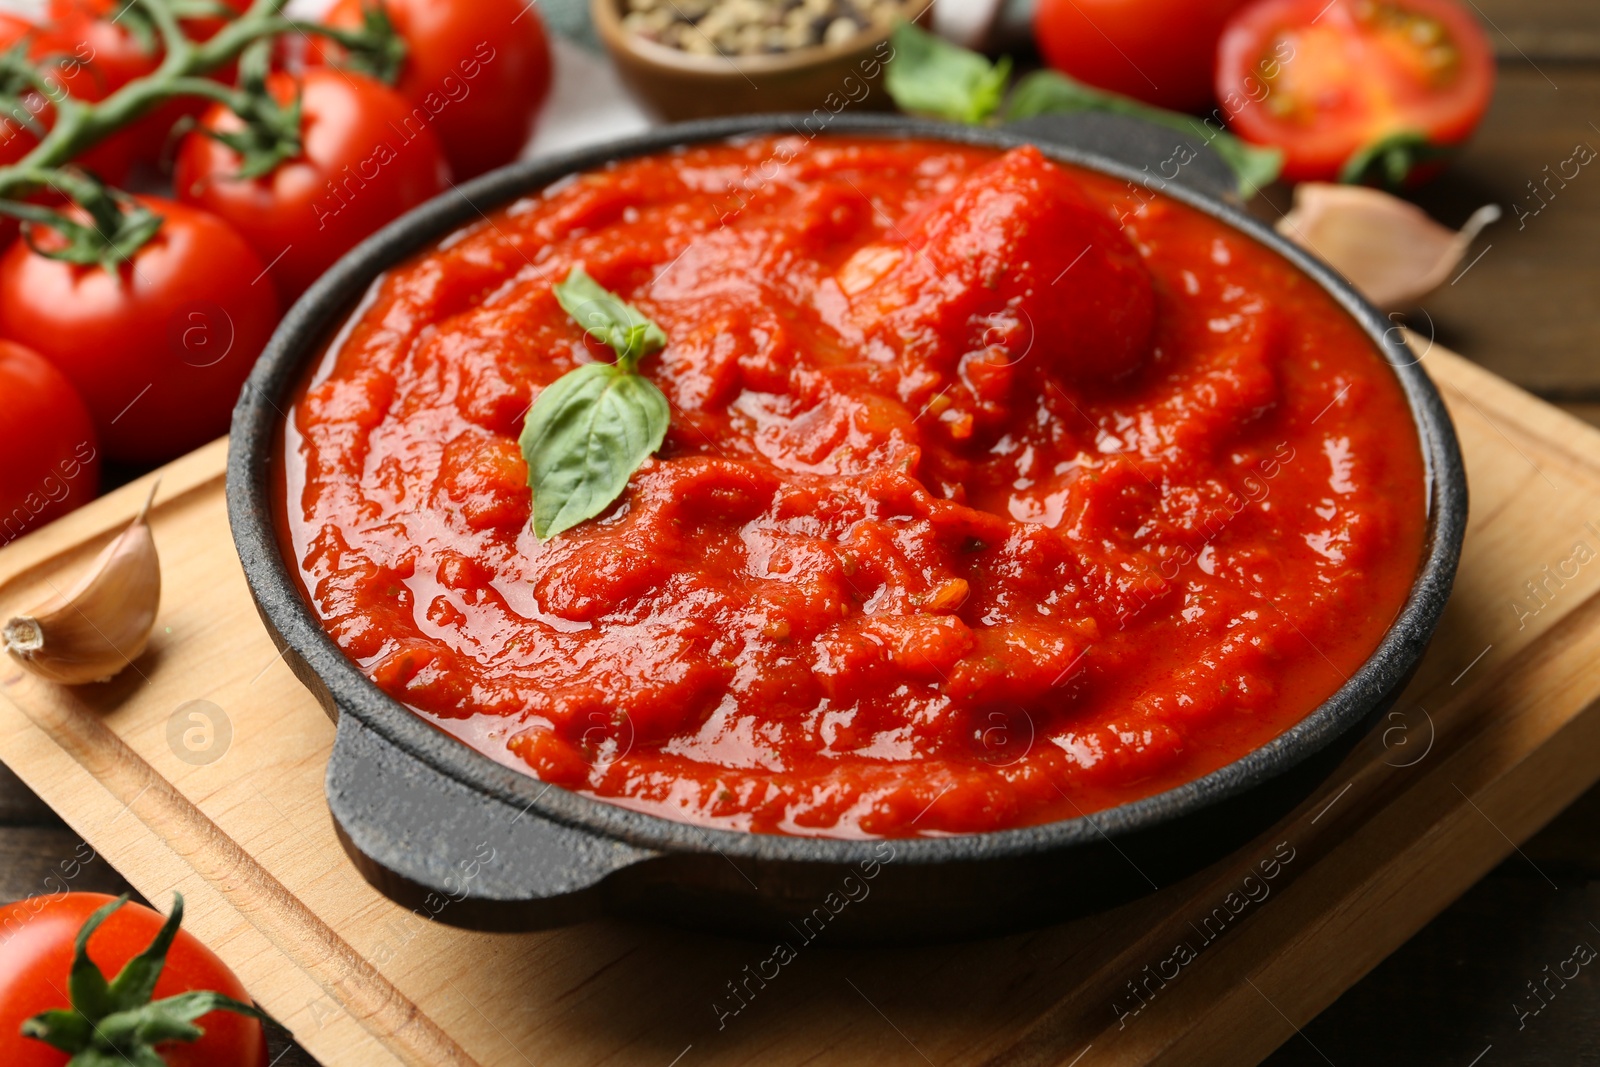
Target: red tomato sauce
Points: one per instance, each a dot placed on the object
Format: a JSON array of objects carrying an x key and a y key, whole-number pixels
[{"x": 979, "y": 507}]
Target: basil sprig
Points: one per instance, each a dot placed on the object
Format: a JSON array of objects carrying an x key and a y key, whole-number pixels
[
  {"x": 593, "y": 427},
  {"x": 1049, "y": 92},
  {"x": 931, "y": 76}
]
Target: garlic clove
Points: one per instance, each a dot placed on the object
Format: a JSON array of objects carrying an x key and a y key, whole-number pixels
[
  {"x": 1389, "y": 249},
  {"x": 102, "y": 624}
]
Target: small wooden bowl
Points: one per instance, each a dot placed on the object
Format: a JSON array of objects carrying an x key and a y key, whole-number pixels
[{"x": 679, "y": 85}]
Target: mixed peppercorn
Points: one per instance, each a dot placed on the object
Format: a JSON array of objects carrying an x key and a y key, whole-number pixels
[{"x": 755, "y": 27}]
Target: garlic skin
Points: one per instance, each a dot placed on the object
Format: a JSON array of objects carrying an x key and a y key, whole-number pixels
[
  {"x": 1387, "y": 247},
  {"x": 100, "y": 626}
]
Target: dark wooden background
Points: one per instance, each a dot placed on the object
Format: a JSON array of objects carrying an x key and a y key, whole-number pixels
[{"x": 1529, "y": 309}]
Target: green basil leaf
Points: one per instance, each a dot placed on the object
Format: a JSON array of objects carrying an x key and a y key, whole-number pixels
[
  {"x": 1049, "y": 92},
  {"x": 1045, "y": 92},
  {"x": 608, "y": 319},
  {"x": 583, "y": 439},
  {"x": 930, "y": 76},
  {"x": 1255, "y": 167}
]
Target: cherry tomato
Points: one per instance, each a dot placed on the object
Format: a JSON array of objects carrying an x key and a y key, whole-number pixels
[
  {"x": 98, "y": 58},
  {"x": 15, "y": 141},
  {"x": 52, "y": 454},
  {"x": 160, "y": 348},
  {"x": 1160, "y": 51},
  {"x": 365, "y": 161},
  {"x": 64, "y": 69},
  {"x": 36, "y": 948},
  {"x": 121, "y": 54},
  {"x": 1325, "y": 81},
  {"x": 65, "y": 66},
  {"x": 115, "y": 55},
  {"x": 13, "y": 28},
  {"x": 477, "y": 70},
  {"x": 95, "y": 31}
]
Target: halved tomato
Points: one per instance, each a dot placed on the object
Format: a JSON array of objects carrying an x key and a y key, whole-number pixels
[{"x": 1355, "y": 88}]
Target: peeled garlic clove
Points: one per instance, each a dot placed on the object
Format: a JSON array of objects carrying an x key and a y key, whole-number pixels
[
  {"x": 1389, "y": 249},
  {"x": 90, "y": 633}
]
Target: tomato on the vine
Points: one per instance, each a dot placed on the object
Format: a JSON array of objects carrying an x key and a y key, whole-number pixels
[
  {"x": 99, "y": 35},
  {"x": 364, "y": 161},
  {"x": 1356, "y": 86},
  {"x": 52, "y": 456},
  {"x": 1160, "y": 51},
  {"x": 115, "y": 55},
  {"x": 123, "y": 51},
  {"x": 13, "y": 28},
  {"x": 15, "y": 140},
  {"x": 158, "y": 347},
  {"x": 65, "y": 66},
  {"x": 36, "y": 956},
  {"x": 477, "y": 70}
]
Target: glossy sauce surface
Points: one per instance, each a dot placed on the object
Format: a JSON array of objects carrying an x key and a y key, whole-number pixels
[{"x": 995, "y": 493}]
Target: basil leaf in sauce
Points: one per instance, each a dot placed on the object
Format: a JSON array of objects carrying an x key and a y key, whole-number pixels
[
  {"x": 591, "y": 428},
  {"x": 931, "y": 76},
  {"x": 608, "y": 320}
]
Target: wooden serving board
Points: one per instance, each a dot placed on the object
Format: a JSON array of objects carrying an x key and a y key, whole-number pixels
[{"x": 1499, "y": 732}]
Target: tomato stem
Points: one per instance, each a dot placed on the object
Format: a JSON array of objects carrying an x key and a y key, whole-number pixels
[
  {"x": 1390, "y": 160},
  {"x": 116, "y": 1021}
]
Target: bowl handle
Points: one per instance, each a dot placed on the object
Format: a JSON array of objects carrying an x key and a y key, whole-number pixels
[
  {"x": 1161, "y": 153},
  {"x": 450, "y": 853}
]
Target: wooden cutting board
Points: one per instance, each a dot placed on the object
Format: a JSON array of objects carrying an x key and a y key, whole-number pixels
[{"x": 222, "y": 799}]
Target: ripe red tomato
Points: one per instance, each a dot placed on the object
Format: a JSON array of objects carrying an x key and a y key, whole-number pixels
[
  {"x": 1160, "y": 51},
  {"x": 365, "y": 161},
  {"x": 1324, "y": 81},
  {"x": 477, "y": 70},
  {"x": 14, "y": 140},
  {"x": 120, "y": 54},
  {"x": 160, "y": 349},
  {"x": 52, "y": 460},
  {"x": 115, "y": 55},
  {"x": 102, "y": 57},
  {"x": 69, "y": 66},
  {"x": 13, "y": 28},
  {"x": 95, "y": 32},
  {"x": 36, "y": 948}
]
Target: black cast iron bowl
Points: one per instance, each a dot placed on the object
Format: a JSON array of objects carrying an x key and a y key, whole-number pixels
[{"x": 437, "y": 826}]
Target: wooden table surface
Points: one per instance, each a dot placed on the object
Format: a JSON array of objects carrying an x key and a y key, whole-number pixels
[{"x": 1529, "y": 309}]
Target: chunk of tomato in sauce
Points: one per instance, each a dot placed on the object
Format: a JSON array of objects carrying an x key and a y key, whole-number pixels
[{"x": 1017, "y": 261}]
